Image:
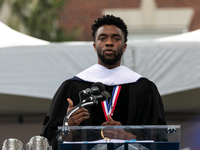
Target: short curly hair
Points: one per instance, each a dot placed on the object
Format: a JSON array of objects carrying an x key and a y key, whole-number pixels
[{"x": 110, "y": 20}]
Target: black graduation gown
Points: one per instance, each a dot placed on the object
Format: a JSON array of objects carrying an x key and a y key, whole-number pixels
[{"x": 139, "y": 103}]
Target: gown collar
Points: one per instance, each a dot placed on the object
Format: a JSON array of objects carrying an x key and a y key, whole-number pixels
[{"x": 117, "y": 76}]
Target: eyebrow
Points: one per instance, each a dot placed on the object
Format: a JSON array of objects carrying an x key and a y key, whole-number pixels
[{"x": 103, "y": 34}]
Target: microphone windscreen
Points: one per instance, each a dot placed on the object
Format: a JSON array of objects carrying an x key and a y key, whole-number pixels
[
  {"x": 99, "y": 85},
  {"x": 106, "y": 95}
]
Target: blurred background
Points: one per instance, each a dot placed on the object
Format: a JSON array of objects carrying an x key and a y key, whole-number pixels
[{"x": 39, "y": 39}]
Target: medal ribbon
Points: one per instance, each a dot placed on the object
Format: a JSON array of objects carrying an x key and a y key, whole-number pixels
[{"x": 108, "y": 109}]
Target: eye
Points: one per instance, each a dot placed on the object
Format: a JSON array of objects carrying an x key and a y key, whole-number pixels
[
  {"x": 102, "y": 38},
  {"x": 116, "y": 39}
]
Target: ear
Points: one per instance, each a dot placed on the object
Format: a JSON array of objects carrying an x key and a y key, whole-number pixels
[
  {"x": 125, "y": 46},
  {"x": 94, "y": 45}
]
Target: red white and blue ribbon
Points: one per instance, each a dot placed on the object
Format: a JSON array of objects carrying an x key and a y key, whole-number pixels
[{"x": 108, "y": 108}]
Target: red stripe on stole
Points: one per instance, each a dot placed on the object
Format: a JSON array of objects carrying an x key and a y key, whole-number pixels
[
  {"x": 104, "y": 111},
  {"x": 119, "y": 89}
]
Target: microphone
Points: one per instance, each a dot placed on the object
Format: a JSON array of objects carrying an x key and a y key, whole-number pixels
[
  {"x": 12, "y": 143},
  {"x": 38, "y": 142},
  {"x": 95, "y": 89},
  {"x": 101, "y": 97},
  {"x": 92, "y": 100}
]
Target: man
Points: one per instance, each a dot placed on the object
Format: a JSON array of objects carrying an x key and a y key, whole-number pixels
[{"x": 137, "y": 102}]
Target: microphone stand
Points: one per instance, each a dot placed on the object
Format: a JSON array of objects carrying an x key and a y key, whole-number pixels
[{"x": 66, "y": 118}]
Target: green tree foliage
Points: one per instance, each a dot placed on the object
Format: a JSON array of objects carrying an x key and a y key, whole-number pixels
[{"x": 38, "y": 17}]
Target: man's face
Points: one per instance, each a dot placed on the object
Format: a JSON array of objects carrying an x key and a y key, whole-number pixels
[{"x": 109, "y": 45}]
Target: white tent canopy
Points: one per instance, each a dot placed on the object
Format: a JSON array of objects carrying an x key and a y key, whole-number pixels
[
  {"x": 192, "y": 36},
  {"x": 10, "y": 37}
]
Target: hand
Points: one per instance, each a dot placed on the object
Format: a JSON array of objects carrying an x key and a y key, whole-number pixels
[
  {"x": 78, "y": 116},
  {"x": 116, "y": 133},
  {"x": 111, "y": 122}
]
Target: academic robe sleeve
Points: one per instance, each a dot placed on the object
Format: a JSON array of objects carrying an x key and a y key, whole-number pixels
[
  {"x": 150, "y": 105},
  {"x": 152, "y": 112},
  {"x": 57, "y": 111}
]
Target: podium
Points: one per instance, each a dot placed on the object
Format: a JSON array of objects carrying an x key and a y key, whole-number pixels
[{"x": 145, "y": 137}]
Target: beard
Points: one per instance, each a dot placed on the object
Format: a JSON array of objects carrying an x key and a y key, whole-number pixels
[{"x": 108, "y": 61}]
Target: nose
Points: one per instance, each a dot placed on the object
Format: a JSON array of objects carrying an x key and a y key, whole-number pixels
[{"x": 109, "y": 42}]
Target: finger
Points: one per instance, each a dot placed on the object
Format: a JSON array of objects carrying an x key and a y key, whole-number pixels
[
  {"x": 103, "y": 124},
  {"x": 82, "y": 116},
  {"x": 76, "y": 122},
  {"x": 108, "y": 123},
  {"x": 80, "y": 112},
  {"x": 71, "y": 104},
  {"x": 109, "y": 118},
  {"x": 109, "y": 133},
  {"x": 111, "y": 123}
]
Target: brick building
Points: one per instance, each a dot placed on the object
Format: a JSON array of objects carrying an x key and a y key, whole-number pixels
[{"x": 156, "y": 18}]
